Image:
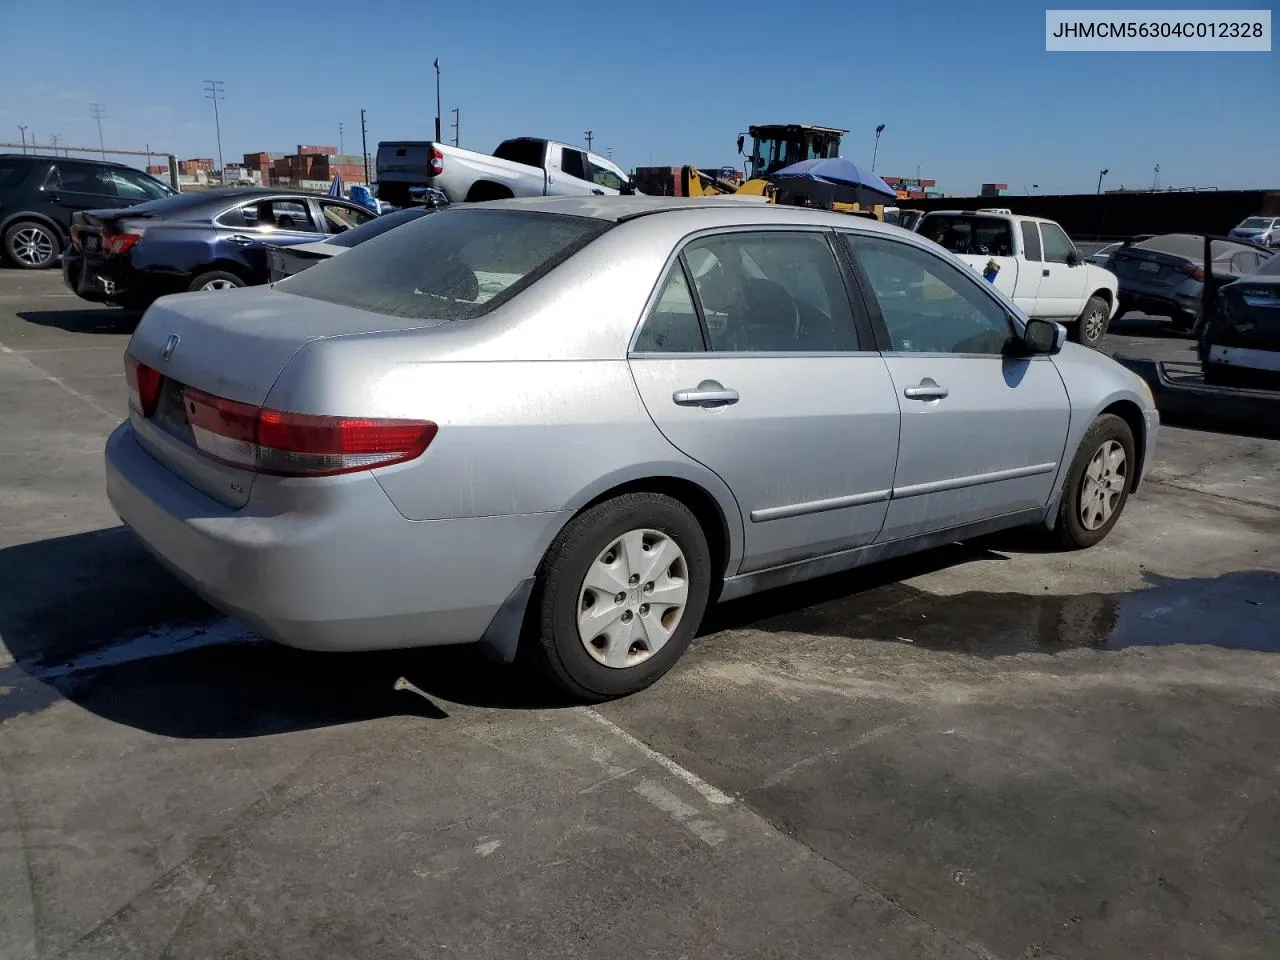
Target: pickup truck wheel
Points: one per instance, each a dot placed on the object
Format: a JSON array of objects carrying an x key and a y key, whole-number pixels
[{"x": 1092, "y": 325}]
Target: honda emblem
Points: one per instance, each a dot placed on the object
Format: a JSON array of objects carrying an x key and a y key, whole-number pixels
[{"x": 170, "y": 345}]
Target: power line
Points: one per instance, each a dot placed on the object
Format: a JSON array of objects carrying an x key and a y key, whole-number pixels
[
  {"x": 213, "y": 91},
  {"x": 98, "y": 112}
]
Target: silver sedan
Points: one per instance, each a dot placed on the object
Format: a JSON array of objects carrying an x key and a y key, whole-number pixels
[{"x": 568, "y": 425}]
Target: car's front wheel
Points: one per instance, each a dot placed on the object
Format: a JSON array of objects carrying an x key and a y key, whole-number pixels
[
  {"x": 1092, "y": 325},
  {"x": 32, "y": 245},
  {"x": 620, "y": 595},
  {"x": 1098, "y": 483}
]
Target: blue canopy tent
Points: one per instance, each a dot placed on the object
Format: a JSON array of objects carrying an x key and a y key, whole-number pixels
[{"x": 833, "y": 179}]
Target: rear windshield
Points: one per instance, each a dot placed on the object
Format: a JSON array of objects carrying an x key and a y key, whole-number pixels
[
  {"x": 985, "y": 236},
  {"x": 1271, "y": 268},
  {"x": 452, "y": 265},
  {"x": 377, "y": 227}
]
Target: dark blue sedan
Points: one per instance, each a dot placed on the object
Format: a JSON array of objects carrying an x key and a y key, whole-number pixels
[{"x": 212, "y": 240}]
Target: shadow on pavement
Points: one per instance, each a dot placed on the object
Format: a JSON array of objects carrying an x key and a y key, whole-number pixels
[
  {"x": 92, "y": 618},
  {"x": 91, "y": 320}
]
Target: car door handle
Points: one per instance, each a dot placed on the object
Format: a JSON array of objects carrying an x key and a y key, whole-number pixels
[
  {"x": 241, "y": 239},
  {"x": 598, "y": 192},
  {"x": 1045, "y": 273},
  {"x": 926, "y": 390},
  {"x": 706, "y": 394}
]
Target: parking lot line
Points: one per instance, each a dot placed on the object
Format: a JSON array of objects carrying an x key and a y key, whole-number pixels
[
  {"x": 60, "y": 383},
  {"x": 710, "y": 793}
]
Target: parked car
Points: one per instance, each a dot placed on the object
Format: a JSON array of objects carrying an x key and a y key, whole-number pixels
[
  {"x": 1102, "y": 256},
  {"x": 521, "y": 167},
  {"x": 1240, "y": 339},
  {"x": 213, "y": 240},
  {"x": 1261, "y": 230},
  {"x": 1038, "y": 266},
  {"x": 38, "y": 196},
  {"x": 285, "y": 261},
  {"x": 612, "y": 412},
  {"x": 1164, "y": 275}
]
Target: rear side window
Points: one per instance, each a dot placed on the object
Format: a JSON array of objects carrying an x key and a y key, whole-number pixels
[
  {"x": 12, "y": 172},
  {"x": 573, "y": 163},
  {"x": 527, "y": 152},
  {"x": 452, "y": 265},
  {"x": 1031, "y": 240}
]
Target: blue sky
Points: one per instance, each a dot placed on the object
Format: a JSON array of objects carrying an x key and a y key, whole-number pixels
[{"x": 966, "y": 91}]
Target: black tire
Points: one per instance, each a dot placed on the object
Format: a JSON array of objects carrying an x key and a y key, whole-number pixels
[
  {"x": 553, "y": 643},
  {"x": 1091, "y": 326},
  {"x": 1071, "y": 531},
  {"x": 215, "y": 276},
  {"x": 26, "y": 243}
]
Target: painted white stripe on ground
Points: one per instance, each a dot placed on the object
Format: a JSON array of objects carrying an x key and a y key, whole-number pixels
[
  {"x": 58, "y": 382},
  {"x": 709, "y": 793},
  {"x": 160, "y": 643}
]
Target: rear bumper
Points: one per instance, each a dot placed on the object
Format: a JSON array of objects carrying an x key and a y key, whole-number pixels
[
  {"x": 114, "y": 279},
  {"x": 351, "y": 575},
  {"x": 1174, "y": 305}
]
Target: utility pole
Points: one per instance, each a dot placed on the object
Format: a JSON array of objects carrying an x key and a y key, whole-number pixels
[
  {"x": 1102, "y": 173},
  {"x": 1155, "y": 181},
  {"x": 437, "y": 66},
  {"x": 98, "y": 112},
  {"x": 457, "y": 119},
  {"x": 53, "y": 138},
  {"x": 23, "y": 130},
  {"x": 364, "y": 144},
  {"x": 876, "y": 151},
  {"x": 340, "y": 141},
  {"x": 213, "y": 91},
  {"x": 609, "y": 153},
  {"x": 590, "y": 135}
]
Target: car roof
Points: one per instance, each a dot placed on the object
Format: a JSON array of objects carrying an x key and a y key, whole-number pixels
[
  {"x": 45, "y": 158},
  {"x": 623, "y": 208},
  {"x": 991, "y": 212},
  {"x": 1191, "y": 245}
]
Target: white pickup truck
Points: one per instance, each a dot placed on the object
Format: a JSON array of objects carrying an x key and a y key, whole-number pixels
[
  {"x": 1039, "y": 267},
  {"x": 521, "y": 167}
]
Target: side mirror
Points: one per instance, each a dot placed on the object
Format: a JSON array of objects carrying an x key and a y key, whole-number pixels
[
  {"x": 1073, "y": 258},
  {"x": 628, "y": 188},
  {"x": 741, "y": 140},
  {"x": 1043, "y": 337}
]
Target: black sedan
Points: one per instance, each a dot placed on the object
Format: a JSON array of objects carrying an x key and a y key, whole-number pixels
[
  {"x": 1240, "y": 340},
  {"x": 211, "y": 240}
]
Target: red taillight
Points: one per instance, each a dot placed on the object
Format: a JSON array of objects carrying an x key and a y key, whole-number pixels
[
  {"x": 117, "y": 243},
  {"x": 436, "y": 165},
  {"x": 75, "y": 235},
  {"x": 144, "y": 385},
  {"x": 1192, "y": 271},
  {"x": 299, "y": 444}
]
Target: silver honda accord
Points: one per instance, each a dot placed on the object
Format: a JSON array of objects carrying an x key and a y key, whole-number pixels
[{"x": 568, "y": 425}]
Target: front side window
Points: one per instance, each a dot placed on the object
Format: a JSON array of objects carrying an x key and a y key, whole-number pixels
[
  {"x": 929, "y": 305},
  {"x": 604, "y": 177},
  {"x": 672, "y": 325},
  {"x": 451, "y": 265},
  {"x": 136, "y": 186},
  {"x": 771, "y": 291},
  {"x": 1057, "y": 245}
]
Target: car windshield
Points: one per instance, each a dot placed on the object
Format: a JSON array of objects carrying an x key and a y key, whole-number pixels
[
  {"x": 376, "y": 227},
  {"x": 1256, "y": 223},
  {"x": 452, "y": 265},
  {"x": 1270, "y": 268}
]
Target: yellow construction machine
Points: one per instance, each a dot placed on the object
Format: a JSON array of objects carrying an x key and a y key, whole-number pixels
[{"x": 774, "y": 146}]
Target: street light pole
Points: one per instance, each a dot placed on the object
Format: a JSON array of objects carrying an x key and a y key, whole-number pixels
[
  {"x": 1102, "y": 173},
  {"x": 590, "y": 135},
  {"x": 876, "y": 151},
  {"x": 437, "y": 66},
  {"x": 23, "y": 131},
  {"x": 341, "y": 142},
  {"x": 364, "y": 145}
]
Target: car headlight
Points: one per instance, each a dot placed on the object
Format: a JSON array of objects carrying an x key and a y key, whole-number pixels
[{"x": 1145, "y": 389}]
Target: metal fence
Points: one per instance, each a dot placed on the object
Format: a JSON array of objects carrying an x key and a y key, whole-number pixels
[{"x": 59, "y": 150}]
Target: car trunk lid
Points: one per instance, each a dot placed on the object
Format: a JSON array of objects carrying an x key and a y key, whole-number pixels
[
  {"x": 233, "y": 345},
  {"x": 1150, "y": 268}
]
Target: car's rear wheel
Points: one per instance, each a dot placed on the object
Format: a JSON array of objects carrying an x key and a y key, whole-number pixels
[
  {"x": 1098, "y": 483},
  {"x": 215, "y": 280},
  {"x": 1092, "y": 325},
  {"x": 620, "y": 595},
  {"x": 32, "y": 245}
]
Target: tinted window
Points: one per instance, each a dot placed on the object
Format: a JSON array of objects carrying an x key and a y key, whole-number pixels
[
  {"x": 930, "y": 306},
  {"x": 984, "y": 236},
  {"x": 1031, "y": 241},
  {"x": 528, "y": 152},
  {"x": 12, "y": 172},
  {"x": 573, "y": 163},
  {"x": 452, "y": 265},
  {"x": 604, "y": 177},
  {"x": 672, "y": 324},
  {"x": 1272, "y": 267},
  {"x": 286, "y": 215},
  {"x": 1056, "y": 243},
  {"x": 339, "y": 218},
  {"x": 135, "y": 186},
  {"x": 245, "y": 215},
  {"x": 771, "y": 292},
  {"x": 80, "y": 178},
  {"x": 378, "y": 226}
]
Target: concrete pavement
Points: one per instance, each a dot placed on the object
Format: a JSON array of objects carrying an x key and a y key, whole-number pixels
[{"x": 985, "y": 751}]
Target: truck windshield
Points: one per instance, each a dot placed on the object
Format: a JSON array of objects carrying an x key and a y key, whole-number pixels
[
  {"x": 452, "y": 265},
  {"x": 531, "y": 153}
]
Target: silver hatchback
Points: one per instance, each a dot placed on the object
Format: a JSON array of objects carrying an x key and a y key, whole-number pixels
[{"x": 569, "y": 425}]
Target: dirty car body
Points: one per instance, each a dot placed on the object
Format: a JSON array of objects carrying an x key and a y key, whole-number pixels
[{"x": 388, "y": 449}]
